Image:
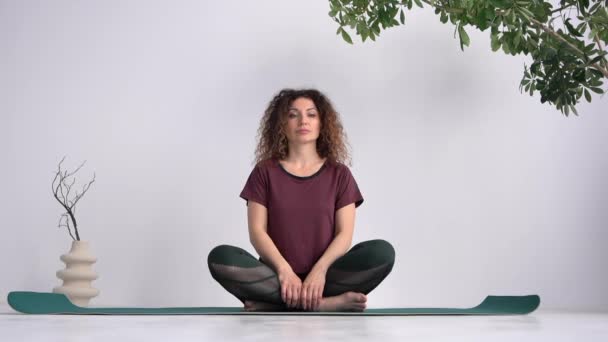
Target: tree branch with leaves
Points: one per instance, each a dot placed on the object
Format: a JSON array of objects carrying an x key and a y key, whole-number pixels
[
  {"x": 62, "y": 186},
  {"x": 564, "y": 65}
]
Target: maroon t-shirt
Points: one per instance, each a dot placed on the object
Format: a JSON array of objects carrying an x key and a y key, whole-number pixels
[{"x": 301, "y": 210}]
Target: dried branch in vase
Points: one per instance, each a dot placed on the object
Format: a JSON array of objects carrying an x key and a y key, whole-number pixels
[{"x": 62, "y": 186}]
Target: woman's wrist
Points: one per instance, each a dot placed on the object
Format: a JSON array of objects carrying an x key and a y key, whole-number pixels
[
  {"x": 320, "y": 266},
  {"x": 284, "y": 268}
]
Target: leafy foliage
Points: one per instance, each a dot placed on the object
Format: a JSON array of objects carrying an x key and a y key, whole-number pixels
[{"x": 565, "y": 66}]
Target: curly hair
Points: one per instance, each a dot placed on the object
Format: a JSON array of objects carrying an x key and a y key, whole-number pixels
[{"x": 331, "y": 144}]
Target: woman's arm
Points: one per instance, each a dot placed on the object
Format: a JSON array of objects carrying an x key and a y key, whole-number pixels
[
  {"x": 345, "y": 225},
  {"x": 290, "y": 283},
  {"x": 257, "y": 217},
  {"x": 312, "y": 289}
]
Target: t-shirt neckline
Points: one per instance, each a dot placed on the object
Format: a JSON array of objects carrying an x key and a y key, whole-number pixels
[{"x": 302, "y": 177}]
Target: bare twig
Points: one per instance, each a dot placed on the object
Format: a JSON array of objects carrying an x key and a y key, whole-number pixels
[
  {"x": 69, "y": 187},
  {"x": 561, "y": 8},
  {"x": 67, "y": 224},
  {"x": 84, "y": 190},
  {"x": 61, "y": 187}
]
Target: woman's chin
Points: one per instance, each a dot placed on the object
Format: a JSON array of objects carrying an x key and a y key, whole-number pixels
[{"x": 304, "y": 140}]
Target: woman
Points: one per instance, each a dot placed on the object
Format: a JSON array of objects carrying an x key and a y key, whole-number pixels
[{"x": 301, "y": 201}]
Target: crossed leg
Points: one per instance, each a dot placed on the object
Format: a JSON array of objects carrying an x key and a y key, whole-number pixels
[{"x": 349, "y": 279}]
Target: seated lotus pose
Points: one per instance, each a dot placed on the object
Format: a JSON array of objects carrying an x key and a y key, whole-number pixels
[{"x": 301, "y": 199}]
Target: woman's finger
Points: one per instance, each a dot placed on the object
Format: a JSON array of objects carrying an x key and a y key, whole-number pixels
[
  {"x": 284, "y": 292},
  {"x": 296, "y": 297},
  {"x": 305, "y": 293},
  {"x": 289, "y": 295},
  {"x": 306, "y": 297},
  {"x": 320, "y": 295},
  {"x": 293, "y": 295},
  {"x": 311, "y": 296}
]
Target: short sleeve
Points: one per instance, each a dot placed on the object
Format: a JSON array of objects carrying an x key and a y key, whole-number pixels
[
  {"x": 256, "y": 187},
  {"x": 348, "y": 190}
]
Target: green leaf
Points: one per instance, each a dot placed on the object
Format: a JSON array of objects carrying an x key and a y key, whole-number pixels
[
  {"x": 482, "y": 19},
  {"x": 495, "y": 43},
  {"x": 526, "y": 12},
  {"x": 418, "y": 3},
  {"x": 573, "y": 110},
  {"x": 444, "y": 17},
  {"x": 581, "y": 27},
  {"x": 517, "y": 39},
  {"x": 346, "y": 37},
  {"x": 402, "y": 17},
  {"x": 464, "y": 37},
  {"x": 595, "y": 83},
  {"x": 596, "y": 72},
  {"x": 499, "y": 3},
  {"x": 587, "y": 96},
  {"x": 505, "y": 45},
  {"x": 596, "y": 59},
  {"x": 579, "y": 75},
  {"x": 376, "y": 29},
  {"x": 596, "y": 90},
  {"x": 571, "y": 29}
]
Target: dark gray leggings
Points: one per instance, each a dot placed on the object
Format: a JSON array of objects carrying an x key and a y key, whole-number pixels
[{"x": 361, "y": 269}]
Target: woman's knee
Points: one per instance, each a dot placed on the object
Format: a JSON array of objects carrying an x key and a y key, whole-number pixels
[
  {"x": 231, "y": 255},
  {"x": 219, "y": 254},
  {"x": 385, "y": 249},
  {"x": 367, "y": 255},
  {"x": 378, "y": 250}
]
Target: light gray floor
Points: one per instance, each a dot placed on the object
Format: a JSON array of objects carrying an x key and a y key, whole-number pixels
[{"x": 542, "y": 325}]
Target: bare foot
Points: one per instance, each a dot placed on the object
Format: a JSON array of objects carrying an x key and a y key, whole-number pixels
[
  {"x": 348, "y": 301},
  {"x": 262, "y": 306}
]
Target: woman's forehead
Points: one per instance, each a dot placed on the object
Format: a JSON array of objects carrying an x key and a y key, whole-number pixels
[{"x": 304, "y": 103}]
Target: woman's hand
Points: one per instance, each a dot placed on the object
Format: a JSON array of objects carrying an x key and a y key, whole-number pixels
[
  {"x": 291, "y": 285},
  {"x": 312, "y": 289}
]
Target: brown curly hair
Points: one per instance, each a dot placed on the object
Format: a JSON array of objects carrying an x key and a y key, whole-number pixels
[{"x": 331, "y": 144}]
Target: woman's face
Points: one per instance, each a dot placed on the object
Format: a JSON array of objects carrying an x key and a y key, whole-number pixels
[{"x": 303, "y": 121}]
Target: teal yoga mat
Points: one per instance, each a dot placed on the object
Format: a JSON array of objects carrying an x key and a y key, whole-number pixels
[{"x": 57, "y": 303}]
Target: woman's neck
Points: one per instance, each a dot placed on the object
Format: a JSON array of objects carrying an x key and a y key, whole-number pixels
[{"x": 303, "y": 155}]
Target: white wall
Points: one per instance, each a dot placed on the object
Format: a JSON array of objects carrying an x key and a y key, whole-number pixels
[{"x": 481, "y": 189}]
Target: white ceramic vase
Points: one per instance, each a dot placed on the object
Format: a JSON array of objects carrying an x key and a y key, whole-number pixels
[{"x": 78, "y": 274}]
